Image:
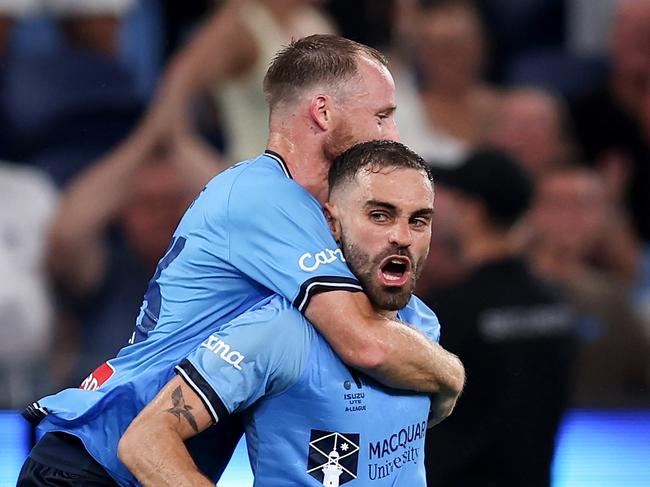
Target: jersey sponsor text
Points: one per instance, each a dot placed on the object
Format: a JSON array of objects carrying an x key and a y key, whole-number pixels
[
  {"x": 309, "y": 262},
  {"x": 222, "y": 349}
]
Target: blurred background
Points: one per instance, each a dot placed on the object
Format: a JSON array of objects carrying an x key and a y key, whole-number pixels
[{"x": 115, "y": 113}]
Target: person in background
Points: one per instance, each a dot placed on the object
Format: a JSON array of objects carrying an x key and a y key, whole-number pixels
[
  {"x": 83, "y": 51},
  {"x": 113, "y": 225},
  {"x": 227, "y": 59},
  {"x": 91, "y": 25},
  {"x": 579, "y": 242},
  {"x": 28, "y": 199},
  {"x": 515, "y": 335},
  {"x": 609, "y": 119},
  {"x": 446, "y": 108},
  {"x": 532, "y": 126}
]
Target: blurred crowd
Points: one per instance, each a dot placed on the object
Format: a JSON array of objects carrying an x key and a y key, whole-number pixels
[{"x": 115, "y": 113}]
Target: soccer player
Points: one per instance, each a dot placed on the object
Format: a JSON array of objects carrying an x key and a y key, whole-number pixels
[
  {"x": 256, "y": 229},
  {"x": 309, "y": 414}
]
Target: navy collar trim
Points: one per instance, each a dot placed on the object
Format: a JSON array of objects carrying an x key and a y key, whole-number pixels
[{"x": 280, "y": 160}]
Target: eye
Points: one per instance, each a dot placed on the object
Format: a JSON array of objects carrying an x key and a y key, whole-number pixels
[
  {"x": 379, "y": 216},
  {"x": 420, "y": 222}
]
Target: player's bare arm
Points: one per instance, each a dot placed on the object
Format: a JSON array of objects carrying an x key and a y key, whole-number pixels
[
  {"x": 385, "y": 349},
  {"x": 153, "y": 448}
]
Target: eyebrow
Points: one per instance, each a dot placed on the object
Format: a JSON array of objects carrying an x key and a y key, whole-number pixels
[
  {"x": 391, "y": 207},
  {"x": 388, "y": 110},
  {"x": 423, "y": 212}
]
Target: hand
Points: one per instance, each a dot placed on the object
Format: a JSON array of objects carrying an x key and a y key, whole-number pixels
[{"x": 442, "y": 405}]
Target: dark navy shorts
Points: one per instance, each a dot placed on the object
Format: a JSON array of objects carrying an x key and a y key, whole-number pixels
[{"x": 60, "y": 459}]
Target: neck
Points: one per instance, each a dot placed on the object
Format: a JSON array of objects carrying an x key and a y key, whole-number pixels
[{"x": 305, "y": 160}]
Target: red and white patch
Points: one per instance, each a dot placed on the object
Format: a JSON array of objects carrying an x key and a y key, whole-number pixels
[{"x": 98, "y": 377}]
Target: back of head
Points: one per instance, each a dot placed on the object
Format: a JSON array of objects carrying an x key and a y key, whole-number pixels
[
  {"x": 320, "y": 59},
  {"x": 436, "y": 6},
  {"x": 373, "y": 156},
  {"x": 495, "y": 179}
]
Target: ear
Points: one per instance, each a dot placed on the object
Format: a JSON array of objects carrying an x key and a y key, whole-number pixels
[
  {"x": 331, "y": 214},
  {"x": 320, "y": 111}
]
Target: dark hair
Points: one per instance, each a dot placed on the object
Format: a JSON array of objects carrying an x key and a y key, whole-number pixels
[
  {"x": 494, "y": 178},
  {"x": 374, "y": 155},
  {"x": 437, "y": 5},
  {"x": 311, "y": 60}
]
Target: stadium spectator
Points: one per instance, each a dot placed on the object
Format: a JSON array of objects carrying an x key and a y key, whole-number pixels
[
  {"x": 513, "y": 332},
  {"x": 445, "y": 264},
  {"x": 608, "y": 119},
  {"x": 28, "y": 200},
  {"x": 66, "y": 97},
  {"x": 245, "y": 34},
  {"x": 579, "y": 242},
  {"x": 89, "y": 25},
  {"x": 113, "y": 225},
  {"x": 446, "y": 108},
  {"x": 531, "y": 125}
]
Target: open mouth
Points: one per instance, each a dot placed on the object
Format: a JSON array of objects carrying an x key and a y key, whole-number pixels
[{"x": 395, "y": 270}]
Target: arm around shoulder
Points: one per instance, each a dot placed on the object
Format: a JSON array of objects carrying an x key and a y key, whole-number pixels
[{"x": 393, "y": 353}]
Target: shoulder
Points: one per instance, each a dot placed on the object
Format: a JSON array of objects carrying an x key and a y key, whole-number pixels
[
  {"x": 274, "y": 318},
  {"x": 418, "y": 314},
  {"x": 264, "y": 185},
  {"x": 266, "y": 174}
]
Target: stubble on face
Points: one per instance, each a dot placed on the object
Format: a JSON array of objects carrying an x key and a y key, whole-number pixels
[
  {"x": 366, "y": 268},
  {"x": 340, "y": 139}
]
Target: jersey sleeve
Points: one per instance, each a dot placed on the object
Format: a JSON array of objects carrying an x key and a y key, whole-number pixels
[
  {"x": 262, "y": 352},
  {"x": 419, "y": 315},
  {"x": 281, "y": 240}
]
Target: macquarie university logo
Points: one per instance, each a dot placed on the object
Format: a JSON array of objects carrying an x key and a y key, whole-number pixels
[{"x": 333, "y": 457}]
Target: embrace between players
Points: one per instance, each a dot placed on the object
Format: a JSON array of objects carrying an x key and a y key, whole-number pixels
[{"x": 224, "y": 339}]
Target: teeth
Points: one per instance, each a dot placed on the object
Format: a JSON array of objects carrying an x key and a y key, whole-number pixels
[
  {"x": 396, "y": 261},
  {"x": 391, "y": 277}
]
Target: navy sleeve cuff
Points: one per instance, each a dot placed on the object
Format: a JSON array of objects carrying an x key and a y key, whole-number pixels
[
  {"x": 323, "y": 284},
  {"x": 203, "y": 389}
]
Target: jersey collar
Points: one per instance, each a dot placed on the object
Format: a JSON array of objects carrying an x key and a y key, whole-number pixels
[{"x": 280, "y": 160}]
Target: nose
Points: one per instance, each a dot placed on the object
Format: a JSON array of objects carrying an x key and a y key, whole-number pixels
[
  {"x": 391, "y": 132},
  {"x": 400, "y": 234}
]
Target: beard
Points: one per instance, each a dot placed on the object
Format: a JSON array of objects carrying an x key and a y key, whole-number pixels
[
  {"x": 366, "y": 269},
  {"x": 339, "y": 140}
]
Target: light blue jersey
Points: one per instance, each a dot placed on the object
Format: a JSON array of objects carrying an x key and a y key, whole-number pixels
[
  {"x": 251, "y": 233},
  {"x": 312, "y": 421}
]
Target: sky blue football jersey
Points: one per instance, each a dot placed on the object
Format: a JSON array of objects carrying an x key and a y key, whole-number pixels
[
  {"x": 310, "y": 420},
  {"x": 251, "y": 233}
]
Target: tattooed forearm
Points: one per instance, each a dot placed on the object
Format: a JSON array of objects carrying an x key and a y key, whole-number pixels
[{"x": 179, "y": 408}]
